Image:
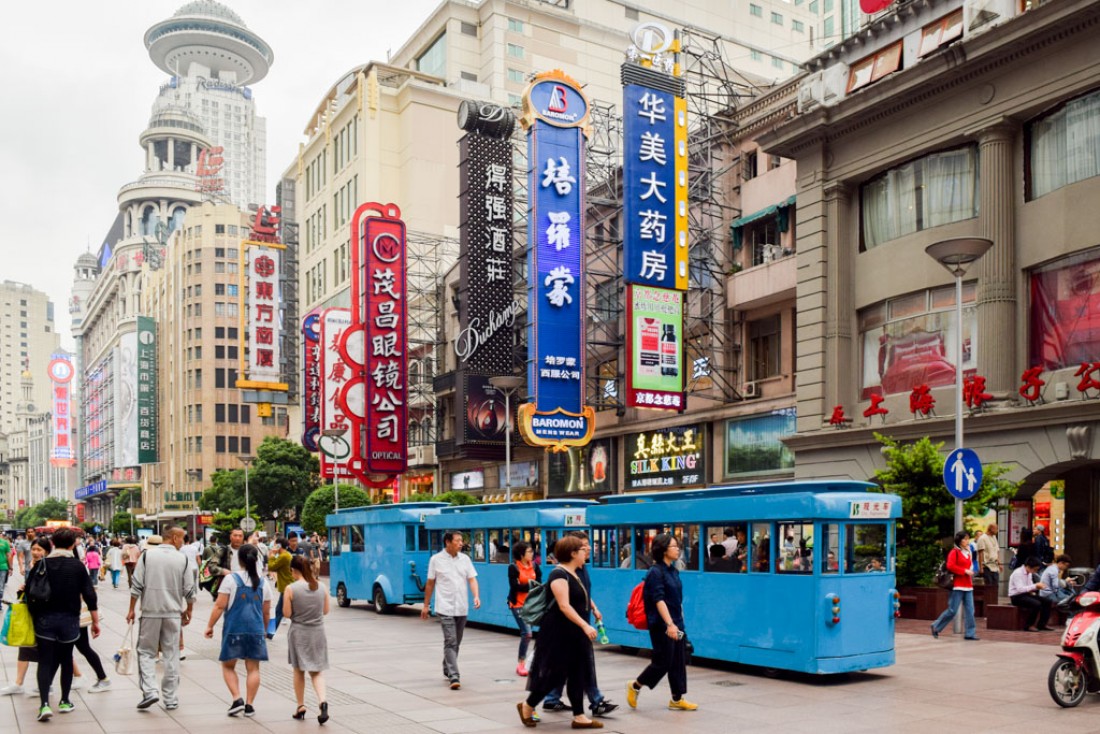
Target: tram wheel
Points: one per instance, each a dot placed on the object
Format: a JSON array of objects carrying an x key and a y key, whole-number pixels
[
  {"x": 379, "y": 600},
  {"x": 342, "y": 596}
]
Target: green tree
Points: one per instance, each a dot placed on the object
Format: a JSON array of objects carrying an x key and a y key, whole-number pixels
[
  {"x": 226, "y": 491},
  {"x": 120, "y": 523},
  {"x": 37, "y": 515},
  {"x": 456, "y": 497},
  {"x": 128, "y": 498},
  {"x": 915, "y": 473},
  {"x": 225, "y": 521},
  {"x": 281, "y": 478},
  {"x": 322, "y": 501}
]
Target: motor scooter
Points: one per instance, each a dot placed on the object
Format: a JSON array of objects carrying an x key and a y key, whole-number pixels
[{"x": 1077, "y": 669}]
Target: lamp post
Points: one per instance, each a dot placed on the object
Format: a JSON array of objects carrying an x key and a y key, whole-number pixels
[
  {"x": 507, "y": 384},
  {"x": 247, "y": 461},
  {"x": 334, "y": 433},
  {"x": 157, "y": 484},
  {"x": 192, "y": 475},
  {"x": 957, "y": 255}
]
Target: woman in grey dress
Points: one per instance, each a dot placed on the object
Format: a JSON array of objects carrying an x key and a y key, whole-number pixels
[{"x": 305, "y": 604}]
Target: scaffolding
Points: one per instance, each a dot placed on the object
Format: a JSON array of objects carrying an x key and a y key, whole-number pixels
[{"x": 429, "y": 257}]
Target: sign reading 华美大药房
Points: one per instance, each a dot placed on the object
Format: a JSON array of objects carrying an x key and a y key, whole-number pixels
[
  {"x": 147, "y": 422},
  {"x": 556, "y": 120},
  {"x": 667, "y": 457},
  {"x": 655, "y": 371}
]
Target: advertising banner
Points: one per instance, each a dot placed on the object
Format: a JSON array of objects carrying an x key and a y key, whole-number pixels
[
  {"x": 655, "y": 236},
  {"x": 464, "y": 481},
  {"x": 755, "y": 445},
  {"x": 583, "y": 469},
  {"x": 147, "y": 411},
  {"x": 655, "y": 345},
  {"x": 485, "y": 421},
  {"x": 311, "y": 379},
  {"x": 335, "y": 448},
  {"x": 262, "y": 324},
  {"x": 126, "y": 427},
  {"x": 668, "y": 458},
  {"x": 61, "y": 375},
  {"x": 556, "y": 119}
]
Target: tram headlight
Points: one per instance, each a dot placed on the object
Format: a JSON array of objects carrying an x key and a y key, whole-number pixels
[
  {"x": 895, "y": 599},
  {"x": 834, "y": 606}
]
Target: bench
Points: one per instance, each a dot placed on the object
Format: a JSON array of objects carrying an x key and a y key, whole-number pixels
[{"x": 1009, "y": 617}]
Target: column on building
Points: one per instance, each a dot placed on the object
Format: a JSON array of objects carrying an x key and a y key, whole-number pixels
[
  {"x": 996, "y": 295},
  {"x": 840, "y": 375}
]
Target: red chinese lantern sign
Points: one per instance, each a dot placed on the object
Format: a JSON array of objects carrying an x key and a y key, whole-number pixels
[{"x": 376, "y": 345}]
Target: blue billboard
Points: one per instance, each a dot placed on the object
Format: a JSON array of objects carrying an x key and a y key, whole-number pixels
[{"x": 556, "y": 116}]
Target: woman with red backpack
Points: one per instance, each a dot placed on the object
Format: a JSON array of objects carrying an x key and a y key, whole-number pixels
[{"x": 959, "y": 563}]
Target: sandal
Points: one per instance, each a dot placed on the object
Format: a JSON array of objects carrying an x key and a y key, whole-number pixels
[
  {"x": 528, "y": 721},
  {"x": 300, "y": 714}
]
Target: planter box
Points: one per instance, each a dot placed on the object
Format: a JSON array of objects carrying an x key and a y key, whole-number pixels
[
  {"x": 324, "y": 568},
  {"x": 928, "y": 602}
]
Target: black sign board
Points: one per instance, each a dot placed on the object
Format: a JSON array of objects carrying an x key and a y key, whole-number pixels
[{"x": 666, "y": 458}]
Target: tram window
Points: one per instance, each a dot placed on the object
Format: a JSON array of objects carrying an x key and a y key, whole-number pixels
[
  {"x": 552, "y": 537},
  {"x": 422, "y": 538},
  {"x": 866, "y": 549},
  {"x": 688, "y": 536},
  {"x": 603, "y": 550},
  {"x": 796, "y": 548},
  {"x": 357, "y": 543},
  {"x": 499, "y": 547},
  {"x": 410, "y": 537},
  {"x": 622, "y": 548},
  {"x": 467, "y": 548},
  {"x": 643, "y": 539},
  {"x": 830, "y": 548},
  {"x": 435, "y": 540},
  {"x": 335, "y": 540},
  {"x": 760, "y": 558},
  {"x": 478, "y": 553},
  {"x": 726, "y": 553}
]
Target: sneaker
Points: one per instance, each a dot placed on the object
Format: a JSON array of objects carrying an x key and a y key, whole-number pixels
[
  {"x": 65, "y": 707},
  {"x": 249, "y": 711},
  {"x": 554, "y": 706},
  {"x": 682, "y": 705},
  {"x": 455, "y": 684},
  {"x": 100, "y": 686},
  {"x": 935, "y": 632},
  {"x": 45, "y": 713},
  {"x": 148, "y": 701},
  {"x": 632, "y": 696},
  {"x": 236, "y": 707},
  {"x": 78, "y": 683},
  {"x": 11, "y": 690},
  {"x": 171, "y": 706},
  {"x": 521, "y": 671},
  {"x": 603, "y": 708}
]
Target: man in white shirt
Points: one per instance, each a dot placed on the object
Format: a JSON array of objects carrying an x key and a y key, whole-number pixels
[
  {"x": 450, "y": 571},
  {"x": 1022, "y": 592},
  {"x": 730, "y": 543}
]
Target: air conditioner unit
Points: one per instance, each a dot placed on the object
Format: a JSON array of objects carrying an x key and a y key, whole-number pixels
[
  {"x": 770, "y": 253},
  {"x": 750, "y": 390}
]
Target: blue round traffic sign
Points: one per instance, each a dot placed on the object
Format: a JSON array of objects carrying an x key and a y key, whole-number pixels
[{"x": 962, "y": 473}]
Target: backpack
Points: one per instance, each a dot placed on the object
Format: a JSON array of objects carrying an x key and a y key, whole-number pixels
[
  {"x": 38, "y": 586},
  {"x": 537, "y": 603},
  {"x": 635, "y": 608}
]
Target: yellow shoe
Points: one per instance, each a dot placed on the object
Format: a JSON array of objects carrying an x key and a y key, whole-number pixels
[
  {"x": 682, "y": 705},
  {"x": 631, "y": 696}
]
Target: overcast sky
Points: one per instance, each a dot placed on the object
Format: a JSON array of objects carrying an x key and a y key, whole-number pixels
[{"x": 77, "y": 87}]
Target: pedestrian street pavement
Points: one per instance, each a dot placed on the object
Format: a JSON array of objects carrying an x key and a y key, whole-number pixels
[{"x": 386, "y": 679}]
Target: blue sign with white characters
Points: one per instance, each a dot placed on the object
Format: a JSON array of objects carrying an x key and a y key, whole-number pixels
[
  {"x": 555, "y": 117},
  {"x": 962, "y": 473},
  {"x": 655, "y": 246}
]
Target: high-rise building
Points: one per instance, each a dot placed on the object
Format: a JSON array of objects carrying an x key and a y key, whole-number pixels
[
  {"x": 27, "y": 339},
  {"x": 211, "y": 57}
]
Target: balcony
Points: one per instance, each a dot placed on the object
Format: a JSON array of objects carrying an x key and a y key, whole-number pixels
[
  {"x": 770, "y": 282},
  {"x": 444, "y": 383}
]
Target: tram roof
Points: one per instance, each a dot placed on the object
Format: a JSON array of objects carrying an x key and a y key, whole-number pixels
[
  {"x": 371, "y": 514},
  {"x": 507, "y": 514},
  {"x": 742, "y": 490}
]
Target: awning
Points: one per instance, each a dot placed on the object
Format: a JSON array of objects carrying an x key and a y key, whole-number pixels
[{"x": 780, "y": 209}]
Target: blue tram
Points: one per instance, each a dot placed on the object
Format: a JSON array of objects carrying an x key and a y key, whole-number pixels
[{"x": 380, "y": 553}]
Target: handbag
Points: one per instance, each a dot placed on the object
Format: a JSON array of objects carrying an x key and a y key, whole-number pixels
[
  {"x": 124, "y": 658},
  {"x": 944, "y": 578},
  {"x": 18, "y": 630}
]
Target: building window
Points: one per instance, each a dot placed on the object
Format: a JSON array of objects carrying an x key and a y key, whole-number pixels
[
  {"x": 219, "y": 377},
  {"x": 515, "y": 75},
  {"x": 246, "y": 445},
  {"x": 828, "y": 28},
  {"x": 777, "y": 63},
  {"x": 764, "y": 347},
  {"x": 1063, "y": 145},
  {"x": 910, "y": 340},
  {"x": 938, "y": 189},
  {"x": 777, "y": 18},
  {"x": 219, "y": 413},
  {"x": 219, "y": 352},
  {"x": 1065, "y": 298},
  {"x": 219, "y": 290},
  {"x": 232, "y": 444},
  {"x": 756, "y": 55},
  {"x": 434, "y": 60},
  {"x": 827, "y": 6},
  {"x": 873, "y": 67},
  {"x": 748, "y": 166},
  {"x": 468, "y": 76},
  {"x": 814, "y": 7},
  {"x": 757, "y": 11},
  {"x": 219, "y": 444},
  {"x": 246, "y": 416},
  {"x": 219, "y": 229},
  {"x": 762, "y": 238},
  {"x": 940, "y": 33},
  {"x": 514, "y": 100},
  {"x": 468, "y": 29},
  {"x": 231, "y": 290},
  {"x": 515, "y": 26},
  {"x": 232, "y": 413},
  {"x": 516, "y": 52},
  {"x": 798, "y": 26}
]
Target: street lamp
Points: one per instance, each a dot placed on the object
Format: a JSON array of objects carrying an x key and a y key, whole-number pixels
[
  {"x": 192, "y": 475},
  {"x": 334, "y": 433},
  {"x": 157, "y": 484},
  {"x": 957, "y": 255},
  {"x": 507, "y": 384},
  {"x": 247, "y": 461}
]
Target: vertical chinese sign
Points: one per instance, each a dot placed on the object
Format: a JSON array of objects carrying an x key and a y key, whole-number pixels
[
  {"x": 61, "y": 375},
  {"x": 655, "y": 243},
  {"x": 335, "y": 424},
  {"x": 487, "y": 306},
  {"x": 311, "y": 380},
  {"x": 261, "y": 324},
  {"x": 375, "y": 346},
  {"x": 556, "y": 120},
  {"x": 147, "y": 416}
]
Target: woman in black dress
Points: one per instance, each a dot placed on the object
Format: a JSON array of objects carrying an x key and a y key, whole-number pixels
[{"x": 565, "y": 639}]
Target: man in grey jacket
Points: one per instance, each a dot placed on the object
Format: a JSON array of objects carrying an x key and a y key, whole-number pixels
[{"x": 167, "y": 592}]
